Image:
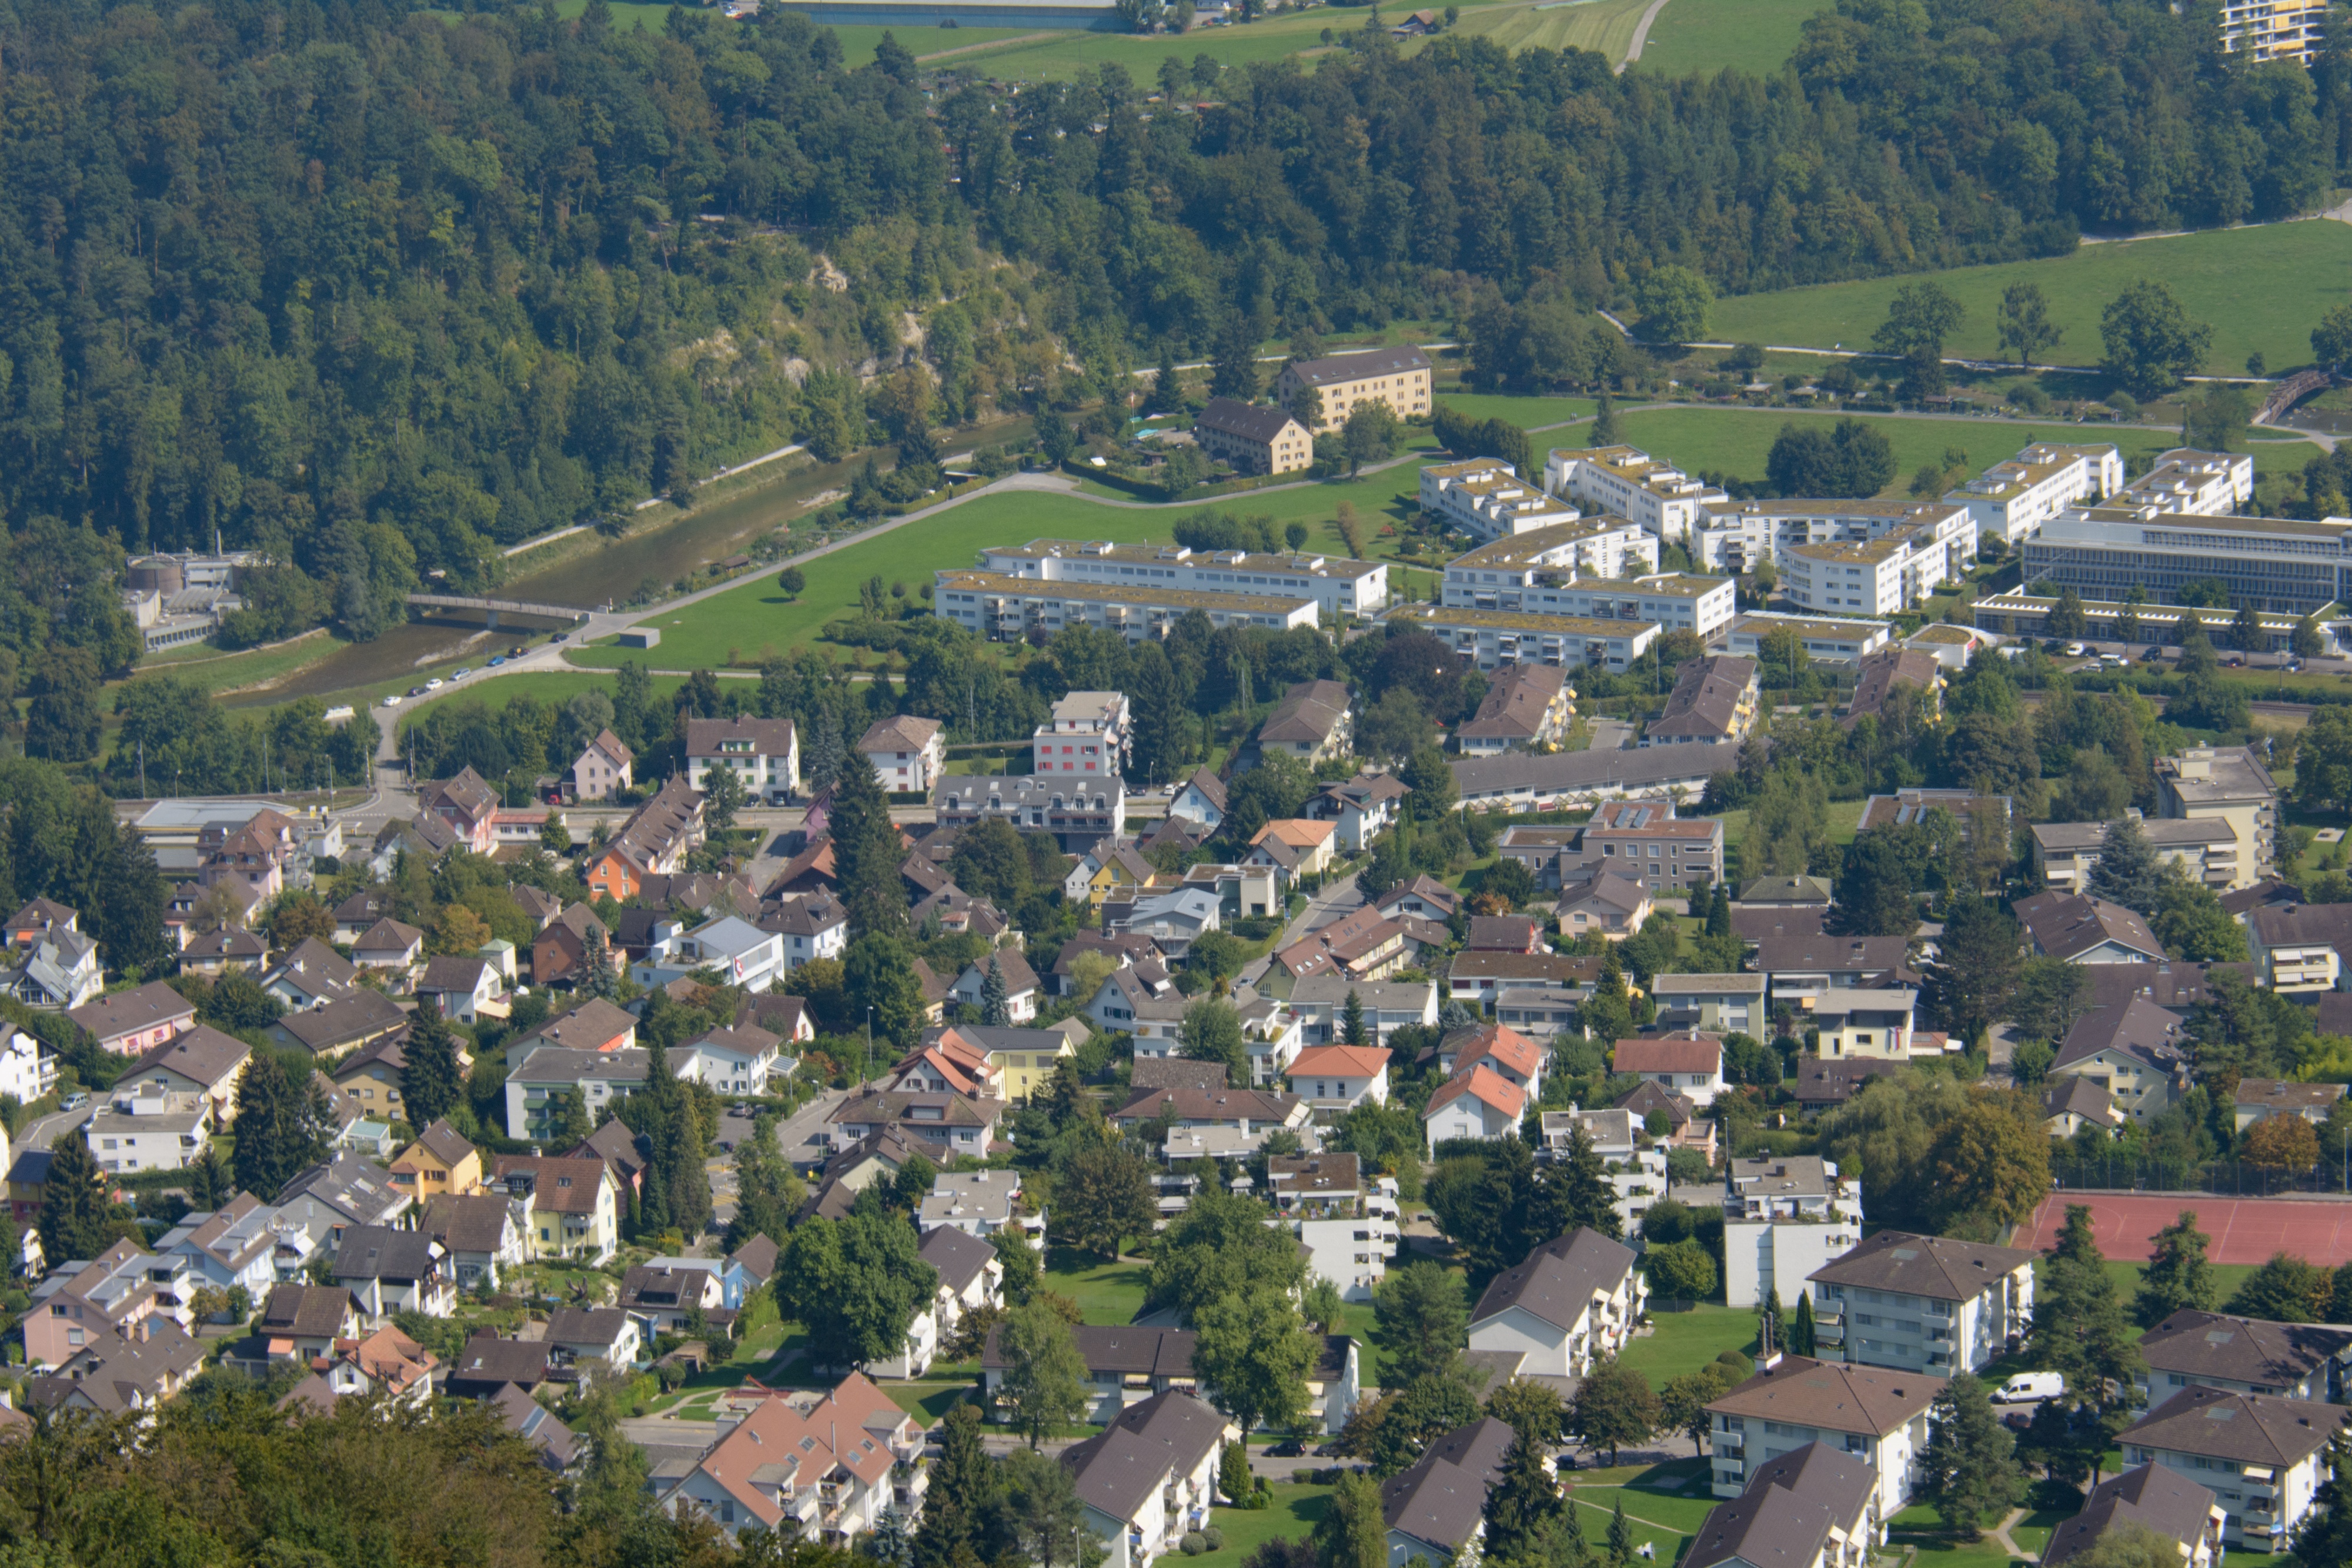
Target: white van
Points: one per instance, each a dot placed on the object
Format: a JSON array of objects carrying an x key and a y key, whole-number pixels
[{"x": 2027, "y": 1387}]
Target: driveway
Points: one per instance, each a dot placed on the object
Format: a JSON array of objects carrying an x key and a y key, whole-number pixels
[
  {"x": 40, "y": 1135},
  {"x": 1334, "y": 902},
  {"x": 801, "y": 1134},
  {"x": 1612, "y": 734}
]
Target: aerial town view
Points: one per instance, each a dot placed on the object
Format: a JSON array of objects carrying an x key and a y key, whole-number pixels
[{"x": 1219, "y": 783}]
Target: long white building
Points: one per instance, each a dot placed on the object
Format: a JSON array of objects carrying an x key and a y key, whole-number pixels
[
  {"x": 1491, "y": 637},
  {"x": 1828, "y": 640},
  {"x": 1631, "y": 484},
  {"x": 1009, "y": 609},
  {"x": 2014, "y": 497},
  {"x": 1874, "y": 577},
  {"x": 1337, "y": 585},
  {"x": 1735, "y": 536},
  {"x": 1486, "y": 498},
  {"x": 1502, "y": 575}
]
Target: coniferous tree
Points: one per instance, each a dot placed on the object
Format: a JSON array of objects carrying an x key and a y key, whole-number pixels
[
  {"x": 2128, "y": 872},
  {"x": 2177, "y": 1274},
  {"x": 994, "y": 1010},
  {"x": 1621, "y": 1537},
  {"x": 600, "y": 975},
  {"x": 1718, "y": 913},
  {"x": 1576, "y": 1191},
  {"x": 430, "y": 1080},
  {"x": 867, "y": 853},
  {"x": 73, "y": 1202},
  {"x": 1970, "y": 1462},
  {"x": 209, "y": 1182},
  {"x": 1523, "y": 1503},
  {"x": 1352, "y": 1019},
  {"x": 280, "y": 1128},
  {"x": 1802, "y": 1338},
  {"x": 1606, "y": 430}
]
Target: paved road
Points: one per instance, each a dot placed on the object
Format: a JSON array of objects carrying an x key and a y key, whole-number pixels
[
  {"x": 1332, "y": 903},
  {"x": 804, "y": 1134},
  {"x": 1612, "y": 734}
]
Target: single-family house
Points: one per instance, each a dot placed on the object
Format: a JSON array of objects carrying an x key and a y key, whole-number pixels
[{"x": 1689, "y": 1064}]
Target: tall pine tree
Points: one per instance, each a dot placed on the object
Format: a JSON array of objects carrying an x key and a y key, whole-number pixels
[
  {"x": 1352, "y": 1019},
  {"x": 281, "y": 1129},
  {"x": 867, "y": 853},
  {"x": 73, "y": 1202},
  {"x": 995, "y": 1011},
  {"x": 2177, "y": 1275},
  {"x": 430, "y": 1080},
  {"x": 1522, "y": 1504}
]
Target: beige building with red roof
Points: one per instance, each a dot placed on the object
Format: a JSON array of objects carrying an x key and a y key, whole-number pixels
[
  {"x": 819, "y": 1465},
  {"x": 1310, "y": 841}
]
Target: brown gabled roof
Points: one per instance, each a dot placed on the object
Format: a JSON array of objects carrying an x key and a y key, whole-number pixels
[
  {"x": 305, "y": 1312},
  {"x": 1516, "y": 704},
  {"x": 469, "y": 794},
  {"x": 2066, "y": 927},
  {"x": 388, "y": 935},
  {"x": 1936, "y": 1266},
  {"x": 560, "y": 1185},
  {"x": 128, "y": 1012},
  {"x": 1340, "y": 369},
  {"x": 1706, "y": 698},
  {"x": 1122, "y": 1471},
  {"x": 1831, "y": 1397},
  {"x": 202, "y": 1055},
  {"x": 1308, "y": 713},
  {"x": 1251, "y": 422},
  {"x": 1558, "y": 1281},
  {"x": 466, "y": 1222},
  {"x": 1441, "y": 1499},
  {"x": 2152, "y": 1497},
  {"x": 1208, "y": 1105},
  {"x": 2206, "y": 1347},
  {"x": 1884, "y": 671},
  {"x": 768, "y": 736},
  {"x": 1670, "y": 1053},
  {"x": 444, "y": 1142},
  {"x": 2247, "y": 1428}
]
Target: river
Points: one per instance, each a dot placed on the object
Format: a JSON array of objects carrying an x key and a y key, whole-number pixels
[{"x": 680, "y": 547}]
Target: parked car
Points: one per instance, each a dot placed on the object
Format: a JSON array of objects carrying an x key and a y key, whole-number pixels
[
  {"x": 393, "y": 701},
  {"x": 75, "y": 1100},
  {"x": 496, "y": 659},
  {"x": 2074, "y": 650},
  {"x": 436, "y": 684},
  {"x": 463, "y": 670},
  {"x": 419, "y": 691},
  {"x": 2028, "y": 1387}
]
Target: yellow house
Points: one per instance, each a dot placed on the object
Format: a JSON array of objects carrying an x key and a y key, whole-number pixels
[
  {"x": 1024, "y": 1058},
  {"x": 1123, "y": 874},
  {"x": 1311, "y": 842},
  {"x": 440, "y": 1161}
]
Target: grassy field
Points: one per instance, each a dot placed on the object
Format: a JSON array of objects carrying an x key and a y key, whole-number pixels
[
  {"x": 1107, "y": 1293},
  {"x": 1723, "y": 441},
  {"x": 1684, "y": 1342},
  {"x": 1605, "y": 26},
  {"x": 1755, "y": 36},
  {"x": 858, "y": 43},
  {"x": 2262, "y": 289},
  {"x": 1296, "y": 1512},
  {"x": 217, "y": 672}
]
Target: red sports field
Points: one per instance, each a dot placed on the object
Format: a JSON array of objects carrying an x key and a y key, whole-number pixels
[{"x": 2244, "y": 1229}]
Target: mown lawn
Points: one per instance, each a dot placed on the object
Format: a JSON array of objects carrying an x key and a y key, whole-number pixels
[
  {"x": 1295, "y": 1513},
  {"x": 2263, "y": 290},
  {"x": 1109, "y": 1293},
  {"x": 1752, "y": 35},
  {"x": 1726, "y": 441},
  {"x": 1684, "y": 1342},
  {"x": 1605, "y": 26}
]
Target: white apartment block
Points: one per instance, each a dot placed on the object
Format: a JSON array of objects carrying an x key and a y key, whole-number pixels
[
  {"x": 1494, "y": 574},
  {"x": 1880, "y": 1417},
  {"x": 1735, "y": 535},
  {"x": 1353, "y": 1254},
  {"x": 2184, "y": 481},
  {"x": 1663, "y": 500},
  {"x": 1828, "y": 640},
  {"x": 1872, "y": 579},
  {"x": 1784, "y": 1220},
  {"x": 1922, "y": 1304},
  {"x": 1009, "y": 610},
  {"x": 1486, "y": 498},
  {"x": 2014, "y": 497},
  {"x": 1088, "y": 736},
  {"x": 1491, "y": 637},
  {"x": 2263, "y": 1458},
  {"x": 1338, "y": 586}
]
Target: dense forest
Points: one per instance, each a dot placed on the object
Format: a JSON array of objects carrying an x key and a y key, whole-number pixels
[{"x": 378, "y": 291}]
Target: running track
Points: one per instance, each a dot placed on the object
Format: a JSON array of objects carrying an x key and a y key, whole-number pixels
[{"x": 2244, "y": 1229}]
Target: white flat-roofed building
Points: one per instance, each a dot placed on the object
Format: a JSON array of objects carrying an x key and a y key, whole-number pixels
[
  {"x": 1337, "y": 585},
  {"x": 1088, "y": 736},
  {"x": 1525, "y": 574},
  {"x": 1010, "y": 609},
  {"x": 2282, "y": 566},
  {"x": 1497, "y": 574},
  {"x": 2017, "y": 614},
  {"x": 1735, "y": 535},
  {"x": 1785, "y": 1218},
  {"x": 1491, "y": 637},
  {"x": 1828, "y": 640},
  {"x": 1630, "y": 482},
  {"x": 1870, "y": 578},
  {"x": 2018, "y": 495},
  {"x": 1076, "y": 810},
  {"x": 1486, "y": 498},
  {"x": 2186, "y": 480}
]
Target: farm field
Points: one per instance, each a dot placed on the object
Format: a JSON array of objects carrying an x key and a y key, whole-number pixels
[
  {"x": 2263, "y": 289},
  {"x": 1754, "y": 36},
  {"x": 1604, "y": 26}
]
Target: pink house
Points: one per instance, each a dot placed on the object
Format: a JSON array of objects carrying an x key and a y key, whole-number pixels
[{"x": 133, "y": 1022}]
